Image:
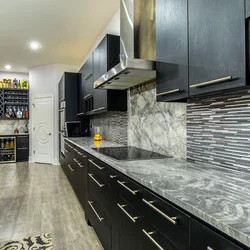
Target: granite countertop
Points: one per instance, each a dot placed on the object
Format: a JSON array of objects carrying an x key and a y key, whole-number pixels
[{"x": 217, "y": 196}]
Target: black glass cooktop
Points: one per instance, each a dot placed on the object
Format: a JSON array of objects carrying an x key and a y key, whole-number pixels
[{"x": 129, "y": 153}]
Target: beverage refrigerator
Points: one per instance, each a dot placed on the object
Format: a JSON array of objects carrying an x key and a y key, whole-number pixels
[{"x": 7, "y": 149}]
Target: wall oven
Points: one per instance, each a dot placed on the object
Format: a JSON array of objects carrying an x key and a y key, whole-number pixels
[{"x": 62, "y": 111}]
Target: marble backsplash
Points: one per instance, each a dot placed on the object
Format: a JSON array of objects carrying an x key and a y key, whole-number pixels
[
  {"x": 113, "y": 126},
  {"x": 159, "y": 127},
  {"x": 8, "y": 126}
]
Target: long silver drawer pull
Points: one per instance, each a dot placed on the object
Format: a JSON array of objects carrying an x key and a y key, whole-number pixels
[
  {"x": 100, "y": 218},
  {"x": 100, "y": 185},
  {"x": 101, "y": 168},
  {"x": 80, "y": 165},
  {"x": 113, "y": 176},
  {"x": 101, "y": 108},
  {"x": 78, "y": 152},
  {"x": 71, "y": 168},
  {"x": 22, "y": 148},
  {"x": 75, "y": 160},
  {"x": 211, "y": 82},
  {"x": 209, "y": 248},
  {"x": 61, "y": 157},
  {"x": 130, "y": 190},
  {"x": 24, "y": 136},
  {"x": 94, "y": 110},
  {"x": 148, "y": 234},
  {"x": 70, "y": 146},
  {"x": 86, "y": 96},
  {"x": 66, "y": 150},
  {"x": 171, "y": 219},
  {"x": 130, "y": 217},
  {"x": 169, "y": 92}
]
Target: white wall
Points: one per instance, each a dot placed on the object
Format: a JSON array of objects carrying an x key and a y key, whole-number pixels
[
  {"x": 112, "y": 28},
  {"x": 44, "y": 80}
]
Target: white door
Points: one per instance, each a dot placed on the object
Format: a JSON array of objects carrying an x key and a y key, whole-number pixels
[{"x": 42, "y": 122}]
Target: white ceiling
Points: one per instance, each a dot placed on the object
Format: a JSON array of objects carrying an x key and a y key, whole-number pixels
[{"x": 66, "y": 29}]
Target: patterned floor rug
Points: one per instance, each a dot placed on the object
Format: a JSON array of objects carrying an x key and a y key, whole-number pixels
[{"x": 43, "y": 242}]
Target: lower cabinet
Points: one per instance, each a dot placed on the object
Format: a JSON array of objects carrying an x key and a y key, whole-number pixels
[
  {"x": 127, "y": 216},
  {"x": 22, "y": 148}
]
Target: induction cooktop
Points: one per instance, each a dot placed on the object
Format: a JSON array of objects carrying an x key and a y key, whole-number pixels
[{"x": 129, "y": 153}]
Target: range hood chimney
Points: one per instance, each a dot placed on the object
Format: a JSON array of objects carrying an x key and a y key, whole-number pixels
[{"x": 137, "y": 50}]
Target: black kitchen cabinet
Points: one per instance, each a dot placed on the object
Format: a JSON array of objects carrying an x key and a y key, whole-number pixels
[
  {"x": 172, "y": 50},
  {"x": 216, "y": 45},
  {"x": 130, "y": 233},
  {"x": 86, "y": 90},
  {"x": 105, "y": 57},
  {"x": 204, "y": 238},
  {"x": 22, "y": 148}
]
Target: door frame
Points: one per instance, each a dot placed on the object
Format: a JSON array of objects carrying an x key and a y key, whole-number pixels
[{"x": 32, "y": 122}]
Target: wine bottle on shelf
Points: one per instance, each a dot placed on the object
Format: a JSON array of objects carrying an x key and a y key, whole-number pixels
[{"x": 26, "y": 113}]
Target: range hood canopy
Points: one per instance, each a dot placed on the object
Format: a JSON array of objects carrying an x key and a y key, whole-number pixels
[{"x": 137, "y": 47}]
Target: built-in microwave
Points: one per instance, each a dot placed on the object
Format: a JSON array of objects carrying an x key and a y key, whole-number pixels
[{"x": 73, "y": 129}]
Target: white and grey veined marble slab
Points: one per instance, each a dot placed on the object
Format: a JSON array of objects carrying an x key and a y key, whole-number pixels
[{"x": 220, "y": 197}]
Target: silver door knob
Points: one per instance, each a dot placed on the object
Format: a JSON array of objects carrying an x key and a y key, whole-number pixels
[{"x": 49, "y": 133}]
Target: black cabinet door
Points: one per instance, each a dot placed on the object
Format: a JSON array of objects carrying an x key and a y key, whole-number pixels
[
  {"x": 204, "y": 238},
  {"x": 130, "y": 234},
  {"x": 216, "y": 45},
  {"x": 171, "y": 50},
  {"x": 87, "y": 77},
  {"x": 22, "y": 148}
]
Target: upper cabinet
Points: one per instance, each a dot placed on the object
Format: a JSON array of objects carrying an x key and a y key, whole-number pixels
[
  {"x": 86, "y": 88},
  {"x": 201, "y": 47},
  {"x": 105, "y": 57},
  {"x": 172, "y": 50},
  {"x": 216, "y": 45}
]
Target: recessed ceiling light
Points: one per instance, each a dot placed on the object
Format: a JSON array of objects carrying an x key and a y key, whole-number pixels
[
  {"x": 7, "y": 66},
  {"x": 35, "y": 45}
]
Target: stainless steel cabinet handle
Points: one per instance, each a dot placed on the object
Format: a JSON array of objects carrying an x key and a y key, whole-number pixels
[
  {"x": 70, "y": 146},
  {"x": 78, "y": 152},
  {"x": 61, "y": 110},
  {"x": 130, "y": 190},
  {"x": 148, "y": 234},
  {"x": 113, "y": 176},
  {"x": 99, "y": 218},
  {"x": 71, "y": 169},
  {"x": 66, "y": 150},
  {"x": 211, "y": 82},
  {"x": 22, "y": 148},
  {"x": 101, "y": 168},
  {"x": 87, "y": 77},
  {"x": 209, "y": 248},
  {"x": 169, "y": 92},
  {"x": 75, "y": 149},
  {"x": 75, "y": 160},
  {"x": 170, "y": 219},
  {"x": 80, "y": 114},
  {"x": 101, "y": 108},
  {"x": 86, "y": 96},
  {"x": 22, "y": 136},
  {"x": 94, "y": 110},
  {"x": 100, "y": 185},
  {"x": 130, "y": 217},
  {"x": 61, "y": 157},
  {"x": 80, "y": 165}
]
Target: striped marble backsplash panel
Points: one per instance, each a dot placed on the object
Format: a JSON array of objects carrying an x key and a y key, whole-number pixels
[
  {"x": 113, "y": 126},
  {"x": 218, "y": 129}
]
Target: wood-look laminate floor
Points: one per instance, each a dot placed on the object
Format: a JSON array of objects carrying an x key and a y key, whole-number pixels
[{"x": 36, "y": 199}]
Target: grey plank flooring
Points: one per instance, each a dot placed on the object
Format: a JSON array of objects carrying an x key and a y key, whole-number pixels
[{"x": 36, "y": 199}]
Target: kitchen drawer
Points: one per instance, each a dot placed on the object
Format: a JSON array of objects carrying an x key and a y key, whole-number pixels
[
  {"x": 100, "y": 224},
  {"x": 81, "y": 156},
  {"x": 153, "y": 239},
  {"x": 22, "y": 153},
  {"x": 203, "y": 238},
  {"x": 69, "y": 146},
  {"x": 98, "y": 168},
  {"x": 169, "y": 220},
  {"x": 102, "y": 194}
]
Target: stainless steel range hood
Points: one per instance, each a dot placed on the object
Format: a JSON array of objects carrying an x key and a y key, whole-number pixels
[{"x": 137, "y": 50}]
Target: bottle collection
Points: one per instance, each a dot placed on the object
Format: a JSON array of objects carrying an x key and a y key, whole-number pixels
[
  {"x": 20, "y": 112},
  {"x": 14, "y": 84},
  {"x": 7, "y": 149}
]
